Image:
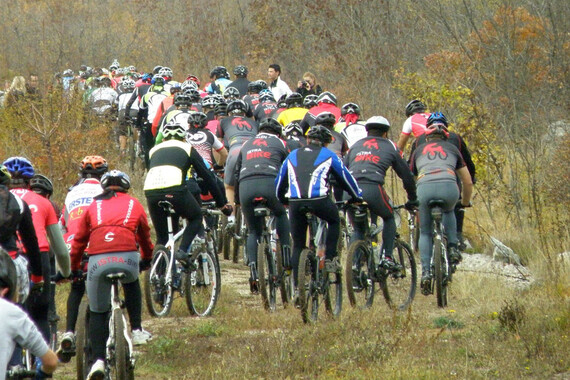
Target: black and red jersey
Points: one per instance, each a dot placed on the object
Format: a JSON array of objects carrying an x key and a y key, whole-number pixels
[{"x": 261, "y": 156}]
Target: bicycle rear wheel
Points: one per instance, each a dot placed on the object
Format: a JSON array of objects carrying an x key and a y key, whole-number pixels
[
  {"x": 267, "y": 270},
  {"x": 237, "y": 239},
  {"x": 400, "y": 288},
  {"x": 158, "y": 294},
  {"x": 439, "y": 271},
  {"x": 308, "y": 292},
  {"x": 333, "y": 293},
  {"x": 203, "y": 285},
  {"x": 121, "y": 368},
  {"x": 359, "y": 272},
  {"x": 82, "y": 343}
]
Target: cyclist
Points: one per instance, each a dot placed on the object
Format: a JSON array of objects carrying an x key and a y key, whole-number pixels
[
  {"x": 368, "y": 161},
  {"x": 204, "y": 141},
  {"x": 253, "y": 90},
  {"x": 310, "y": 101},
  {"x": 435, "y": 163},
  {"x": 266, "y": 107},
  {"x": 415, "y": 123},
  {"x": 294, "y": 136},
  {"x": 115, "y": 225},
  {"x": 128, "y": 86},
  {"x": 230, "y": 94},
  {"x": 17, "y": 328},
  {"x": 350, "y": 126},
  {"x": 295, "y": 110},
  {"x": 220, "y": 80},
  {"x": 303, "y": 182},
  {"x": 170, "y": 162},
  {"x": 326, "y": 102},
  {"x": 180, "y": 114},
  {"x": 77, "y": 200},
  {"x": 48, "y": 233},
  {"x": 102, "y": 99},
  {"x": 165, "y": 105},
  {"x": 256, "y": 169},
  {"x": 235, "y": 130},
  {"x": 148, "y": 107},
  {"x": 241, "y": 82}
]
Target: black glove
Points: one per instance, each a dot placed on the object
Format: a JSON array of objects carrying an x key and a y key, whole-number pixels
[
  {"x": 227, "y": 209},
  {"x": 412, "y": 204},
  {"x": 144, "y": 264}
]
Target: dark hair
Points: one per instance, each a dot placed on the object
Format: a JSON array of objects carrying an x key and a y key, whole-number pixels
[{"x": 275, "y": 67}]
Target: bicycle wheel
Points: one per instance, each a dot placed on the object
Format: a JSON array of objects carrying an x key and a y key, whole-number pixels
[
  {"x": 308, "y": 292},
  {"x": 237, "y": 241},
  {"x": 82, "y": 344},
  {"x": 121, "y": 368},
  {"x": 439, "y": 271},
  {"x": 400, "y": 288},
  {"x": 267, "y": 271},
  {"x": 333, "y": 293},
  {"x": 359, "y": 272},
  {"x": 203, "y": 285},
  {"x": 158, "y": 294},
  {"x": 53, "y": 319}
]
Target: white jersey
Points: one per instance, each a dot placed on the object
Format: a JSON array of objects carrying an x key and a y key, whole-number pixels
[
  {"x": 102, "y": 99},
  {"x": 353, "y": 133}
]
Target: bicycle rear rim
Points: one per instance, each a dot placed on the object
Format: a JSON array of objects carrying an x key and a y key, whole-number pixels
[
  {"x": 121, "y": 370},
  {"x": 203, "y": 285},
  {"x": 308, "y": 293},
  {"x": 158, "y": 294},
  {"x": 82, "y": 344},
  {"x": 400, "y": 288},
  {"x": 439, "y": 273},
  {"x": 267, "y": 271},
  {"x": 333, "y": 294},
  {"x": 359, "y": 274}
]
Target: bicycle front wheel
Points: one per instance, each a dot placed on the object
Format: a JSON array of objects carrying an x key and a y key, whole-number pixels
[
  {"x": 400, "y": 288},
  {"x": 308, "y": 289},
  {"x": 267, "y": 272},
  {"x": 121, "y": 370},
  {"x": 158, "y": 294},
  {"x": 359, "y": 272},
  {"x": 203, "y": 285},
  {"x": 439, "y": 272},
  {"x": 333, "y": 293},
  {"x": 82, "y": 344}
]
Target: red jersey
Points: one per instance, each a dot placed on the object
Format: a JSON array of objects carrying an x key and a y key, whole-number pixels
[
  {"x": 164, "y": 106},
  {"x": 43, "y": 214},
  {"x": 117, "y": 224}
]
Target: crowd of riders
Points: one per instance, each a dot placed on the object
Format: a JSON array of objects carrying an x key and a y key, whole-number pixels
[{"x": 230, "y": 139}]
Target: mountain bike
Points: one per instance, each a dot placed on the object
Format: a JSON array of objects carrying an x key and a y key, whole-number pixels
[
  {"x": 270, "y": 262},
  {"x": 315, "y": 282},
  {"x": 119, "y": 358},
  {"x": 364, "y": 267},
  {"x": 235, "y": 237},
  {"x": 413, "y": 229},
  {"x": 18, "y": 373}
]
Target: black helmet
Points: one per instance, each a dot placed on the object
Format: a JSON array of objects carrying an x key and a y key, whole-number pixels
[
  {"x": 8, "y": 275},
  {"x": 240, "y": 71},
  {"x": 272, "y": 126},
  {"x": 350, "y": 108},
  {"x": 326, "y": 119},
  {"x": 320, "y": 133},
  {"x": 254, "y": 87},
  {"x": 193, "y": 93},
  {"x": 237, "y": 106},
  {"x": 310, "y": 101},
  {"x": 116, "y": 180},
  {"x": 231, "y": 93},
  {"x": 266, "y": 96},
  {"x": 219, "y": 72},
  {"x": 294, "y": 100},
  {"x": 437, "y": 125},
  {"x": 415, "y": 106},
  {"x": 209, "y": 101},
  {"x": 377, "y": 122},
  {"x": 437, "y": 117},
  {"x": 221, "y": 109},
  {"x": 197, "y": 120},
  {"x": 41, "y": 183},
  {"x": 182, "y": 99}
]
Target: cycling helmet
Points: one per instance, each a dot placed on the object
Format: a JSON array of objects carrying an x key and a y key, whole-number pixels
[
  {"x": 254, "y": 87},
  {"x": 156, "y": 69},
  {"x": 146, "y": 77},
  {"x": 128, "y": 84},
  {"x": 266, "y": 96},
  {"x": 189, "y": 84},
  {"x": 326, "y": 119},
  {"x": 327, "y": 97},
  {"x": 237, "y": 106},
  {"x": 209, "y": 101},
  {"x": 174, "y": 130},
  {"x": 5, "y": 175},
  {"x": 182, "y": 99},
  {"x": 116, "y": 180},
  {"x": 19, "y": 167},
  {"x": 231, "y": 93},
  {"x": 105, "y": 82},
  {"x": 310, "y": 101},
  {"x": 271, "y": 125},
  {"x": 377, "y": 122},
  {"x": 94, "y": 165},
  {"x": 166, "y": 72},
  {"x": 193, "y": 93},
  {"x": 67, "y": 73},
  {"x": 221, "y": 109},
  {"x": 193, "y": 78},
  {"x": 157, "y": 80},
  {"x": 350, "y": 108},
  {"x": 437, "y": 117},
  {"x": 263, "y": 84},
  {"x": 241, "y": 71},
  {"x": 8, "y": 275},
  {"x": 293, "y": 129},
  {"x": 132, "y": 68},
  {"x": 175, "y": 87},
  {"x": 197, "y": 120},
  {"x": 294, "y": 100},
  {"x": 320, "y": 133},
  {"x": 281, "y": 103},
  {"x": 41, "y": 183},
  {"x": 219, "y": 72},
  {"x": 415, "y": 106}
]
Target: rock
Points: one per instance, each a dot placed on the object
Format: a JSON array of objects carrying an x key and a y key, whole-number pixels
[{"x": 504, "y": 254}]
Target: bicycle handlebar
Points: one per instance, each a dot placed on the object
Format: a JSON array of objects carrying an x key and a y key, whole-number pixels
[{"x": 20, "y": 373}]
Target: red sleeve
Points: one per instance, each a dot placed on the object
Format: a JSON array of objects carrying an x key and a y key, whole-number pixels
[
  {"x": 80, "y": 241},
  {"x": 143, "y": 235}
]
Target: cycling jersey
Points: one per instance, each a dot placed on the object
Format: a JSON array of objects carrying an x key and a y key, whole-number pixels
[
  {"x": 218, "y": 86},
  {"x": 204, "y": 141},
  {"x": 291, "y": 114},
  {"x": 252, "y": 100},
  {"x": 416, "y": 124},
  {"x": 264, "y": 110},
  {"x": 338, "y": 144},
  {"x": 162, "y": 109},
  {"x": 241, "y": 84},
  {"x": 114, "y": 224},
  {"x": 436, "y": 161},
  {"x": 150, "y": 102},
  {"x": 305, "y": 174},
  {"x": 353, "y": 132},
  {"x": 179, "y": 116},
  {"x": 296, "y": 142},
  {"x": 261, "y": 156},
  {"x": 121, "y": 103},
  {"x": 102, "y": 100},
  {"x": 237, "y": 130}
]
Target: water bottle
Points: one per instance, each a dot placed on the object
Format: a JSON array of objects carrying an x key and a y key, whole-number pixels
[{"x": 376, "y": 253}]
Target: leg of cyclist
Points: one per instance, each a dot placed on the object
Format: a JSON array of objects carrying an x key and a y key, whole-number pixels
[
  {"x": 326, "y": 209},
  {"x": 298, "y": 222},
  {"x": 133, "y": 303}
]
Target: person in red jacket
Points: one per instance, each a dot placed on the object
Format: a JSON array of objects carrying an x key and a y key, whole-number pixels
[{"x": 114, "y": 226}]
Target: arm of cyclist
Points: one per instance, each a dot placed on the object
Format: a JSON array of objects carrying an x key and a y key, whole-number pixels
[
  {"x": 220, "y": 152},
  {"x": 80, "y": 241},
  {"x": 467, "y": 191},
  {"x": 467, "y": 158},
  {"x": 57, "y": 244},
  {"x": 404, "y": 172},
  {"x": 344, "y": 178},
  {"x": 208, "y": 177},
  {"x": 28, "y": 237},
  {"x": 402, "y": 141},
  {"x": 281, "y": 182}
]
